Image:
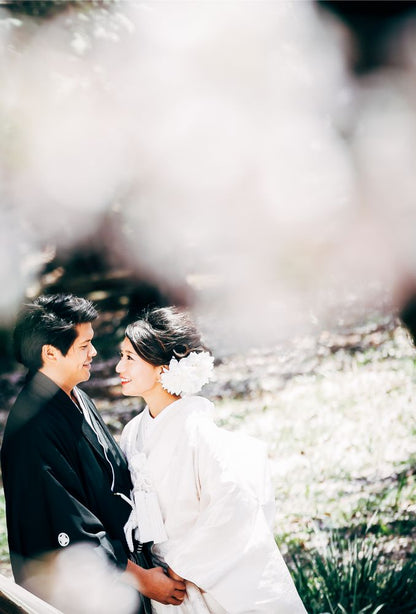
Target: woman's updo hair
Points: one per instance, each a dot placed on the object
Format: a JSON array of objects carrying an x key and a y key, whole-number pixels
[{"x": 164, "y": 333}]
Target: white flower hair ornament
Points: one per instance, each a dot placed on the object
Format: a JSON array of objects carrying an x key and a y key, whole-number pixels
[{"x": 187, "y": 375}]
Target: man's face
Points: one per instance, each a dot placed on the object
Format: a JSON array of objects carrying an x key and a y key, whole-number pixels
[{"x": 74, "y": 367}]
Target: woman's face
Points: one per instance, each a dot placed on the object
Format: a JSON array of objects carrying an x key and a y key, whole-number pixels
[{"x": 138, "y": 377}]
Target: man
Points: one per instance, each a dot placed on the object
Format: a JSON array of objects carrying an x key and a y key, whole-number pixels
[{"x": 65, "y": 479}]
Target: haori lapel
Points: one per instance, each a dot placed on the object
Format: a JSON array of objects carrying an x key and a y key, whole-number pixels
[
  {"x": 112, "y": 451},
  {"x": 92, "y": 438},
  {"x": 87, "y": 430}
]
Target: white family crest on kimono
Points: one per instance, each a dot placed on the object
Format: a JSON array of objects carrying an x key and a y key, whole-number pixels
[{"x": 216, "y": 503}]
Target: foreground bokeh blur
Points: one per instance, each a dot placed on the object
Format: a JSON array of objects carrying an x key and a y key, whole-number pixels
[{"x": 227, "y": 148}]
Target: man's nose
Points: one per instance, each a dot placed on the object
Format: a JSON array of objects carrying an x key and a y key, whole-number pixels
[{"x": 93, "y": 351}]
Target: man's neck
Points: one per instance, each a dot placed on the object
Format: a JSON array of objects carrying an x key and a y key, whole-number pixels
[{"x": 57, "y": 380}]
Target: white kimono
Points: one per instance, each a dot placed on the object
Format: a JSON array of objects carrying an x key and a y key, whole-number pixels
[{"x": 216, "y": 506}]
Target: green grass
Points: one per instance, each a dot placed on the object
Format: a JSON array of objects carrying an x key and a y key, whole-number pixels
[{"x": 353, "y": 575}]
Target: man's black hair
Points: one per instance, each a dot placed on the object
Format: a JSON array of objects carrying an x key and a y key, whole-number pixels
[{"x": 49, "y": 320}]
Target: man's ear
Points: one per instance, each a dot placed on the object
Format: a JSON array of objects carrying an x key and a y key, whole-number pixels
[{"x": 49, "y": 354}]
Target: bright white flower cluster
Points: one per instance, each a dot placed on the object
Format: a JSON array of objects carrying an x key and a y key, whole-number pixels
[{"x": 188, "y": 375}]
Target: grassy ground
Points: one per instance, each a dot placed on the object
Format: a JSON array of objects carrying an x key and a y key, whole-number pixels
[
  {"x": 338, "y": 415},
  {"x": 341, "y": 436}
]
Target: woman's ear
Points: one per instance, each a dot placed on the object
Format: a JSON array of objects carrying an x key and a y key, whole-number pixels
[{"x": 162, "y": 368}]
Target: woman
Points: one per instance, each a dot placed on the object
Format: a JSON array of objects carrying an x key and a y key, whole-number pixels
[{"x": 201, "y": 493}]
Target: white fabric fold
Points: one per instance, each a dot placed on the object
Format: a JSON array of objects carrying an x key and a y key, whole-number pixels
[
  {"x": 145, "y": 521},
  {"x": 150, "y": 527}
]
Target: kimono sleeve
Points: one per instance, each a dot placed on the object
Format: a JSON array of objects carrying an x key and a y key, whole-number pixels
[{"x": 230, "y": 552}]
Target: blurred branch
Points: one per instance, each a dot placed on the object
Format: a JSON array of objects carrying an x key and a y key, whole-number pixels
[{"x": 49, "y": 8}]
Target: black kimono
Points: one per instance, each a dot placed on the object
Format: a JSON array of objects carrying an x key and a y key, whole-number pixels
[{"x": 61, "y": 484}]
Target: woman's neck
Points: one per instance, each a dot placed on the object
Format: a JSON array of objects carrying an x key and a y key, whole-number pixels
[{"x": 158, "y": 400}]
